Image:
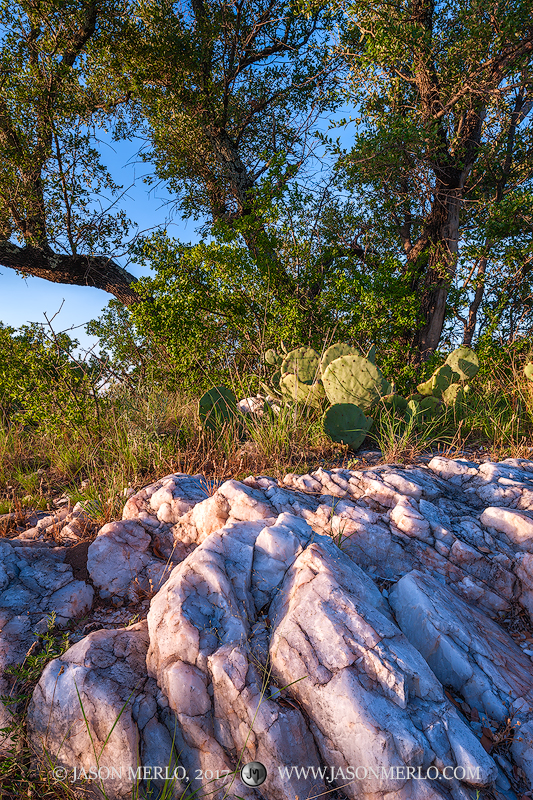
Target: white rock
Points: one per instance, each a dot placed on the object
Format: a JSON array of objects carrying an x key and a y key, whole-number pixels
[
  {"x": 407, "y": 519},
  {"x": 120, "y": 564},
  {"x": 465, "y": 649},
  {"x": 455, "y": 471},
  {"x": 251, "y": 575},
  {"x": 514, "y": 524},
  {"x": 34, "y": 583},
  {"x": 92, "y": 692},
  {"x": 356, "y": 671},
  {"x": 252, "y": 405},
  {"x": 524, "y": 572},
  {"x": 440, "y": 523},
  {"x": 403, "y": 485},
  {"x": 522, "y": 748},
  {"x": 199, "y": 624}
]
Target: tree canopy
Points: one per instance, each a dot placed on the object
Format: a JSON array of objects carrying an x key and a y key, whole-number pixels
[{"x": 414, "y": 228}]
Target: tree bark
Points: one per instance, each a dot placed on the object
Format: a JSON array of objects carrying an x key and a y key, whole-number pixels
[
  {"x": 439, "y": 250},
  {"x": 100, "y": 272}
]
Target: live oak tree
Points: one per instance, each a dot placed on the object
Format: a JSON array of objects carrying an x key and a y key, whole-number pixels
[
  {"x": 52, "y": 184},
  {"x": 428, "y": 78},
  {"x": 224, "y": 92},
  {"x": 228, "y": 90}
]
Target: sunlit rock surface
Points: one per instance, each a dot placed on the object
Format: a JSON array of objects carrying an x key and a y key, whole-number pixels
[{"x": 342, "y": 619}]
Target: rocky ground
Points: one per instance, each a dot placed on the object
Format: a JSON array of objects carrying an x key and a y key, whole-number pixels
[{"x": 377, "y": 618}]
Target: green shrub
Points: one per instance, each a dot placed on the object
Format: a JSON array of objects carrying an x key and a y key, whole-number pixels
[{"x": 41, "y": 385}]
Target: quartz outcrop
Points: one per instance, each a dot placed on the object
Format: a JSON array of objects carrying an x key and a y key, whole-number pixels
[{"x": 347, "y": 629}]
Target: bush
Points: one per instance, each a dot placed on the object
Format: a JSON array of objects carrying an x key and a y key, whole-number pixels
[{"x": 41, "y": 385}]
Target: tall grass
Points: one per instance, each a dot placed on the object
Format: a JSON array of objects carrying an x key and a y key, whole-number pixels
[
  {"x": 403, "y": 441},
  {"x": 136, "y": 433},
  {"x": 142, "y": 434}
]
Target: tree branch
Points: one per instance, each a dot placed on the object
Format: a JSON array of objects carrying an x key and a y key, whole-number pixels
[
  {"x": 100, "y": 272},
  {"x": 495, "y": 69},
  {"x": 81, "y": 36}
]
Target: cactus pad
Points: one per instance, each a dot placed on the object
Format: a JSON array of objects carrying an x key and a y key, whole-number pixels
[
  {"x": 442, "y": 378},
  {"x": 354, "y": 379},
  {"x": 425, "y": 388},
  {"x": 304, "y": 363},
  {"x": 438, "y": 382},
  {"x": 218, "y": 407},
  {"x": 430, "y": 407},
  {"x": 336, "y": 351},
  {"x": 453, "y": 394},
  {"x": 528, "y": 370},
  {"x": 275, "y": 379},
  {"x": 346, "y": 423},
  {"x": 393, "y": 403},
  {"x": 273, "y": 358},
  {"x": 463, "y": 361},
  {"x": 413, "y": 409},
  {"x": 293, "y": 389}
]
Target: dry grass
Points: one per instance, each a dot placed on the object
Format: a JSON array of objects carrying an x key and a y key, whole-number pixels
[
  {"x": 140, "y": 438},
  {"x": 144, "y": 434}
]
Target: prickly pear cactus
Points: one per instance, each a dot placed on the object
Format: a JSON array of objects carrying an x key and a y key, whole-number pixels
[
  {"x": 270, "y": 391},
  {"x": 465, "y": 362},
  {"x": 444, "y": 377},
  {"x": 218, "y": 407},
  {"x": 418, "y": 408},
  {"x": 455, "y": 399},
  {"x": 528, "y": 370},
  {"x": 336, "y": 351},
  {"x": 275, "y": 379},
  {"x": 304, "y": 362},
  {"x": 354, "y": 379},
  {"x": 426, "y": 388},
  {"x": 438, "y": 382},
  {"x": 393, "y": 403},
  {"x": 296, "y": 391},
  {"x": 371, "y": 355},
  {"x": 430, "y": 408},
  {"x": 347, "y": 424},
  {"x": 413, "y": 409},
  {"x": 274, "y": 390},
  {"x": 453, "y": 393},
  {"x": 273, "y": 358}
]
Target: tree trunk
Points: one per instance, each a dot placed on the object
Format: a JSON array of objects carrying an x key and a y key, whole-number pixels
[
  {"x": 433, "y": 261},
  {"x": 470, "y": 326},
  {"x": 241, "y": 185}
]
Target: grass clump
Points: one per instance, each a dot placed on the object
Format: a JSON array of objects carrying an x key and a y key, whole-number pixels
[{"x": 20, "y": 774}]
